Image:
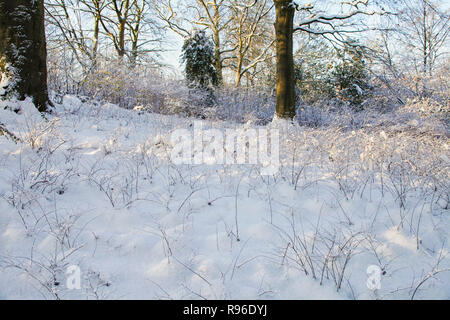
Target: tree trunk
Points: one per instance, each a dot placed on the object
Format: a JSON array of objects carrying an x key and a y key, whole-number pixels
[
  {"x": 121, "y": 44},
  {"x": 217, "y": 54},
  {"x": 23, "y": 53},
  {"x": 425, "y": 39},
  {"x": 95, "y": 46},
  {"x": 285, "y": 107},
  {"x": 135, "y": 39},
  {"x": 239, "y": 71},
  {"x": 218, "y": 58},
  {"x": 134, "y": 53}
]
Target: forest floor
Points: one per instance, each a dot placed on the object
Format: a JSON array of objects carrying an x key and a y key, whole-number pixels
[{"x": 92, "y": 191}]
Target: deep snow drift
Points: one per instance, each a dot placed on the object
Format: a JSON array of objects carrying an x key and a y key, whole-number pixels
[{"x": 93, "y": 186}]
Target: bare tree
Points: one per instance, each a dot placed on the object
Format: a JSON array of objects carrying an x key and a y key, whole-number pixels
[
  {"x": 333, "y": 27},
  {"x": 142, "y": 23},
  {"x": 114, "y": 23},
  {"x": 250, "y": 31},
  {"x": 129, "y": 25},
  {"x": 422, "y": 28},
  {"x": 73, "y": 22},
  {"x": 425, "y": 27}
]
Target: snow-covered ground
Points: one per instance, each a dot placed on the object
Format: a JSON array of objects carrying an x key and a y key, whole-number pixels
[{"x": 93, "y": 187}]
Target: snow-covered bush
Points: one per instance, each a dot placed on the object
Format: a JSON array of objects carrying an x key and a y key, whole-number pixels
[
  {"x": 242, "y": 105},
  {"x": 426, "y": 107}
]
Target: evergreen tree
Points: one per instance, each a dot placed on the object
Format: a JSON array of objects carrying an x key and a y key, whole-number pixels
[
  {"x": 350, "y": 76},
  {"x": 198, "y": 57},
  {"x": 313, "y": 64}
]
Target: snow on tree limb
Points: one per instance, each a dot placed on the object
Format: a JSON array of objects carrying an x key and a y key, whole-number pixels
[{"x": 327, "y": 19}]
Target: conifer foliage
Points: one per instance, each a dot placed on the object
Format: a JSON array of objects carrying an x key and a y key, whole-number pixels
[
  {"x": 198, "y": 57},
  {"x": 350, "y": 77}
]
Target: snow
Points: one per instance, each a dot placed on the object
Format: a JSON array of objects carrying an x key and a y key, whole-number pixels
[
  {"x": 6, "y": 79},
  {"x": 98, "y": 190}
]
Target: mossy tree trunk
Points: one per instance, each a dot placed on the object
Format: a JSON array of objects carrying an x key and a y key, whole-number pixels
[
  {"x": 284, "y": 29},
  {"x": 23, "y": 54}
]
